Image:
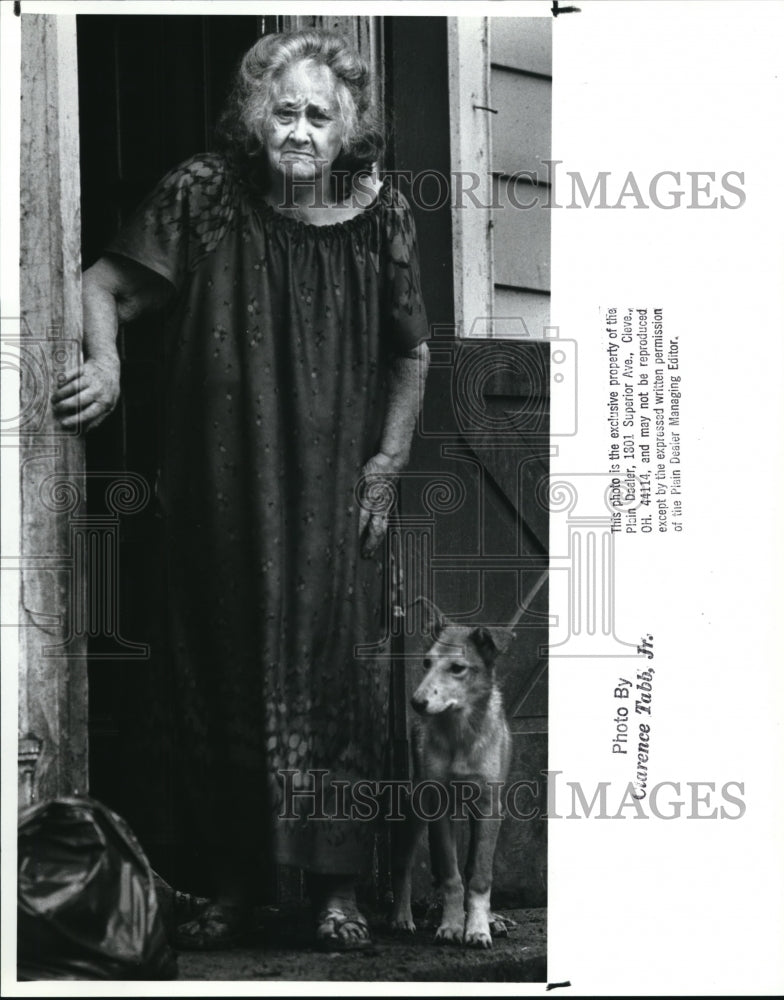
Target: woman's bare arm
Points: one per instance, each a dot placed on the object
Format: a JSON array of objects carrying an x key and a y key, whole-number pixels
[
  {"x": 406, "y": 391},
  {"x": 114, "y": 290}
]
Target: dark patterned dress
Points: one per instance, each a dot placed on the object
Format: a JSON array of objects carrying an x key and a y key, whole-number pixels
[{"x": 276, "y": 359}]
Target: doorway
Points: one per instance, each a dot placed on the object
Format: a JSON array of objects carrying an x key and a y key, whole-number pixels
[{"x": 150, "y": 90}]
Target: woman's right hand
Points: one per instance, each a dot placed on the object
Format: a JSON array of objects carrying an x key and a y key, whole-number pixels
[{"x": 87, "y": 394}]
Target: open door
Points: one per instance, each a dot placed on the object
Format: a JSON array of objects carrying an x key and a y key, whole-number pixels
[
  {"x": 150, "y": 91},
  {"x": 150, "y": 88}
]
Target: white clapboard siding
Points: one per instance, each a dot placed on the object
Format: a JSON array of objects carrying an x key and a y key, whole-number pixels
[
  {"x": 530, "y": 49},
  {"x": 520, "y": 314},
  {"x": 521, "y": 235},
  {"x": 522, "y": 127}
]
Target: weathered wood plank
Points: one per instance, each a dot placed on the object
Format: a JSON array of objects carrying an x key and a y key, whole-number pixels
[
  {"x": 469, "y": 99},
  {"x": 52, "y": 668}
]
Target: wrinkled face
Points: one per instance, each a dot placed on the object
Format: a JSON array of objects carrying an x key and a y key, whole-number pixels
[{"x": 303, "y": 132}]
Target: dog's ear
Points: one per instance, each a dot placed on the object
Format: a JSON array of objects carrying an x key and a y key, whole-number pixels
[
  {"x": 433, "y": 621},
  {"x": 491, "y": 641}
]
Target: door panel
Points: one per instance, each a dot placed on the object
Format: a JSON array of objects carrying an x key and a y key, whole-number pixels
[{"x": 473, "y": 537}]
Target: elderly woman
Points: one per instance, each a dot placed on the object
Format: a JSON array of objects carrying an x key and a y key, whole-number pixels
[{"x": 295, "y": 362}]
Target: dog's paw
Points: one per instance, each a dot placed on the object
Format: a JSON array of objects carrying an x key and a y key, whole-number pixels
[
  {"x": 477, "y": 932},
  {"x": 478, "y": 939},
  {"x": 449, "y": 933}
]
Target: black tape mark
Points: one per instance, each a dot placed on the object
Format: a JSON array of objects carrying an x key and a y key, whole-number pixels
[
  {"x": 18, "y": 8},
  {"x": 563, "y": 10},
  {"x": 555, "y": 986}
]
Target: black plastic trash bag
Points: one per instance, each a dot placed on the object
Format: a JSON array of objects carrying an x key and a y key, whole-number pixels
[{"x": 87, "y": 904}]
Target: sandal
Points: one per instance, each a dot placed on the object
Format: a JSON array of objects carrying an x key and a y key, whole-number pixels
[
  {"x": 332, "y": 921},
  {"x": 218, "y": 926}
]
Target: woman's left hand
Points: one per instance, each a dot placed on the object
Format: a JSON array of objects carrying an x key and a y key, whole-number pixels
[{"x": 378, "y": 497}]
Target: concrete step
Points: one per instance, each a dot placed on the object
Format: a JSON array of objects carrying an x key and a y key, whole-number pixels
[{"x": 282, "y": 949}]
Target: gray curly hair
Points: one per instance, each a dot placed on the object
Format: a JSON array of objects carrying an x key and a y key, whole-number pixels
[{"x": 252, "y": 97}]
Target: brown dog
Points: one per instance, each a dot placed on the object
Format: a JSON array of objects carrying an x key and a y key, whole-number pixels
[{"x": 461, "y": 744}]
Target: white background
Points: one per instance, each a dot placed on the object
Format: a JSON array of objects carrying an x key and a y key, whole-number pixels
[
  {"x": 641, "y": 906},
  {"x": 690, "y": 905}
]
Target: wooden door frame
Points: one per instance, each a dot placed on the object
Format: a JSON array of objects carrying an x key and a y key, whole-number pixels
[
  {"x": 52, "y": 674},
  {"x": 365, "y": 33},
  {"x": 471, "y": 144},
  {"x": 52, "y": 701}
]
